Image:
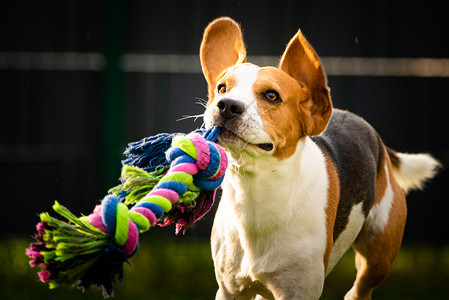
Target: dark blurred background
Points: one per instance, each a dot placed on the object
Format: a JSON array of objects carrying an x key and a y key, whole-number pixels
[{"x": 80, "y": 79}]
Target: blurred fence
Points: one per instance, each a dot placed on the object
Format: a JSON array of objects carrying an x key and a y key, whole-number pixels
[
  {"x": 178, "y": 63},
  {"x": 80, "y": 79}
]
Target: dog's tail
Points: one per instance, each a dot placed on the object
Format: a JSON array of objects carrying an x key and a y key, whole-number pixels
[{"x": 412, "y": 170}]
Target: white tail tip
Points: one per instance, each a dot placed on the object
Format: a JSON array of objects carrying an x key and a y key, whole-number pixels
[{"x": 415, "y": 169}]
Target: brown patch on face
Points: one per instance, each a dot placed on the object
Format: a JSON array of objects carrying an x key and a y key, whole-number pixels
[
  {"x": 333, "y": 198},
  {"x": 288, "y": 120},
  {"x": 228, "y": 79}
]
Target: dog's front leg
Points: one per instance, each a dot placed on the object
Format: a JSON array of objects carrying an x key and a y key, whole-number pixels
[{"x": 297, "y": 283}]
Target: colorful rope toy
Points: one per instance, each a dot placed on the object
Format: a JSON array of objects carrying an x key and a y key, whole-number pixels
[{"x": 167, "y": 178}]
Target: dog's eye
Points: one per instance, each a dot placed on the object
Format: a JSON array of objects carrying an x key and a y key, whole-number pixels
[
  {"x": 221, "y": 89},
  {"x": 271, "y": 95}
]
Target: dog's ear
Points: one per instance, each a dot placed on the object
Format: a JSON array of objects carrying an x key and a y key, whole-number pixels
[
  {"x": 302, "y": 63},
  {"x": 222, "y": 47}
]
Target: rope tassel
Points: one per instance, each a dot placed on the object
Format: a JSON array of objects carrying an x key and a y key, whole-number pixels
[{"x": 160, "y": 185}]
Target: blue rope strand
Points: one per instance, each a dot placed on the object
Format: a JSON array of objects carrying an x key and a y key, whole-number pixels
[{"x": 149, "y": 153}]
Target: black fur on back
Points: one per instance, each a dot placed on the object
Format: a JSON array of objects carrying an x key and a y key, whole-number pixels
[{"x": 357, "y": 152}]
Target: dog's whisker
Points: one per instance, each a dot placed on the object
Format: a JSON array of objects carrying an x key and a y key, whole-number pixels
[
  {"x": 201, "y": 101},
  {"x": 195, "y": 117},
  {"x": 283, "y": 154}
]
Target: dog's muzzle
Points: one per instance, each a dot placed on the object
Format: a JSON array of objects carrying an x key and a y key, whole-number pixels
[{"x": 230, "y": 112}]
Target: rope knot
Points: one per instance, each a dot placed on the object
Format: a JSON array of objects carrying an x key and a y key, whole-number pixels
[{"x": 196, "y": 165}]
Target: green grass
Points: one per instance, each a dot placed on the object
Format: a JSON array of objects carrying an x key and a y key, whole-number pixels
[
  {"x": 181, "y": 268},
  {"x": 419, "y": 272}
]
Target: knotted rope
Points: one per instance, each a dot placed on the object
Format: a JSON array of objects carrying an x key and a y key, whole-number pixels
[{"x": 91, "y": 250}]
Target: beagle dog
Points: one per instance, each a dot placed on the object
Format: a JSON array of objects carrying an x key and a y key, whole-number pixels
[{"x": 306, "y": 181}]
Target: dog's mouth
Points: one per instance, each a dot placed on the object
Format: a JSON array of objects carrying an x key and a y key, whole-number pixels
[
  {"x": 265, "y": 146},
  {"x": 227, "y": 136}
]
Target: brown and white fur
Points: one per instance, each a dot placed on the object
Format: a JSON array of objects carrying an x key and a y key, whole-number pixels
[{"x": 306, "y": 181}]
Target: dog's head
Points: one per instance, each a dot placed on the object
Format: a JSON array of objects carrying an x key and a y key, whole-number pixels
[{"x": 263, "y": 110}]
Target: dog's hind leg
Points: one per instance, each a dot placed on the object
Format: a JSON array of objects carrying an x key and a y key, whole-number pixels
[{"x": 379, "y": 241}]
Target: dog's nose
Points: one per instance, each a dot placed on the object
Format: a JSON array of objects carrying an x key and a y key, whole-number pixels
[{"x": 230, "y": 109}]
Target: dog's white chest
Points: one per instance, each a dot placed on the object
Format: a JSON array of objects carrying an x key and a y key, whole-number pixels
[{"x": 272, "y": 216}]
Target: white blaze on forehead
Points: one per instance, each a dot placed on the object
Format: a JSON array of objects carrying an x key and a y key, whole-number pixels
[
  {"x": 253, "y": 130},
  {"x": 246, "y": 76}
]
